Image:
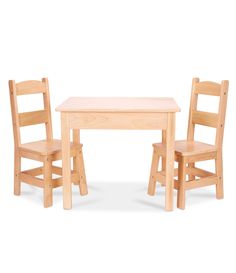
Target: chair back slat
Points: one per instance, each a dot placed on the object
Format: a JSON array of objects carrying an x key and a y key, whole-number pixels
[
  {"x": 207, "y": 88},
  {"x": 33, "y": 118},
  {"x": 205, "y": 119},
  {"x": 30, "y": 87}
]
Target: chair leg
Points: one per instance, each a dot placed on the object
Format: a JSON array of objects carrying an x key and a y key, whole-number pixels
[
  {"x": 76, "y": 169},
  {"x": 17, "y": 170},
  {"x": 76, "y": 140},
  {"x": 154, "y": 168},
  {"x": 82, "y": 176},
  {"x": 182, "y": 181},
  {"x": 191, "y": 177},
  {"x": 47, "y": 173},
  {"x": 219, "y": 173},
  {"x": 163, "y": 167}
]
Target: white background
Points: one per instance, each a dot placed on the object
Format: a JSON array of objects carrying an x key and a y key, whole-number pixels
[{"x": 117, "y": 48}]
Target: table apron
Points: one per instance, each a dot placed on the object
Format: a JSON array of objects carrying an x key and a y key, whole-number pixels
[{"x": 104, "y": 120}]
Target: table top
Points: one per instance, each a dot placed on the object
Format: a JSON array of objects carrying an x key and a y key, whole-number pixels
[{"x": 118, "y": 104}]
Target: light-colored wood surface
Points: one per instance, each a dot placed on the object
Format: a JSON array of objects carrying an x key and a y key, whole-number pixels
[
  {"x": 47, "y": 107},
  {"x": 82, "y": 175},
  {"x": 169, "y": 166},
  {"x": 154, "y": 169},
  {"x": 205, "y": 118},
  {"x": 106, "y": 120},
  {"x": 30, "y": 87},
  {"x": 65, "y": 136},
  {"x": 47, "y": 147},
  {"x": 219, "y": 139},
  {"x": 187, "y": 148},
  {"x": 117, "y": 113},
  {"x": 17, "y": 169},
  {"x": 207, "y": 88},
  {"x": 31, "y": 180},
  {"x": 76, "y": 141},
  {"x": 47, "y": 175},
  {"x": 45, "y": 151},
  {"x": 181, "y": 181},
  {"x": 106, "y": 104},
  {"x": 189, "y": 151},
  {"x": 192, "y": 108},
  {"x": 32, "y": 118}
]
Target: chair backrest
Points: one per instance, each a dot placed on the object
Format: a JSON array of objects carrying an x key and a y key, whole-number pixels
[
  {"x": 34, "y": 117},
  {"x": 215, "y": 120}
]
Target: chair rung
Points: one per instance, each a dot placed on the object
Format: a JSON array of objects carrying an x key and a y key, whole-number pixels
[
  {"x": 163, "y": 173},
  {"x": 207, "y": 180},
  {"x": 160, "y": 177},
  {"x": 57, "y": 182},
  {"x": 31, "y": 180},
  {"x": 203, "y": 182},
  {"x": 34, "y": 172},
  {"x": 198, "y": 172},
  {"x": 57, "y": 170}
]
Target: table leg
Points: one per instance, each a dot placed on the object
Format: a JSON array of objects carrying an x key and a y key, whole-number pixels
[
  {"x": 170, "y": 138},
  {"x": 163, "y": 160},
  {"x": 66, "y": 168},
  {"x": 78, "y": 164},
  {"x": 76, "y": 140}
]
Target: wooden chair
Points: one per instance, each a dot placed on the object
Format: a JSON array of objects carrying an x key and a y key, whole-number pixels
[
  {"x": 189, "y": 151},
  {"x": 46, "y": 151}
]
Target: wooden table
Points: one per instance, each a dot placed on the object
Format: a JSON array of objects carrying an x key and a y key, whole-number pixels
[{"x": 117, "y": 113}]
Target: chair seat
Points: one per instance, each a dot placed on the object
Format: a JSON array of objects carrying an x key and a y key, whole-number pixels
[
  {"x": 45, "y": 147},
  {"x": 188, "y": 148}
]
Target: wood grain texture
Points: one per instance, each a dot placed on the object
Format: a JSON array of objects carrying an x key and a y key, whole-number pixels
[
  {"x": 207, "y": 88},
  {"x": 205, "y": 118},
  {"x": 47, "y": 107},
  {"x": 32, "y": 118},
  {"x": 182, "y": 185},
  {"x": 136, "y": 121},
  {"x": 154, "y": 169},
  {"x": 76, "y": 141},
  {"x": 192, "y": 108},
  {"x": 45, "y": 147},
  {"x": 30, "y": 87},
  {"x": 106, "y": 104},
  {"x": 170, "y": 138},
  {"x": 17, "y": 170},
  {"x": 31, "y": 180},
  {"x": 66, "y": 164},
  {"x": 47, "y": 176},
  {"x": 187, "y": 148}
]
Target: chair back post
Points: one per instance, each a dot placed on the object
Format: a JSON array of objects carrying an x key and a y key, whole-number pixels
[
  {"x": 193, "y": 107},
  {"x": 14, "y": 112},
  {"x": 47, "y": 107},
  {"x": 221, "y": 114}
]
